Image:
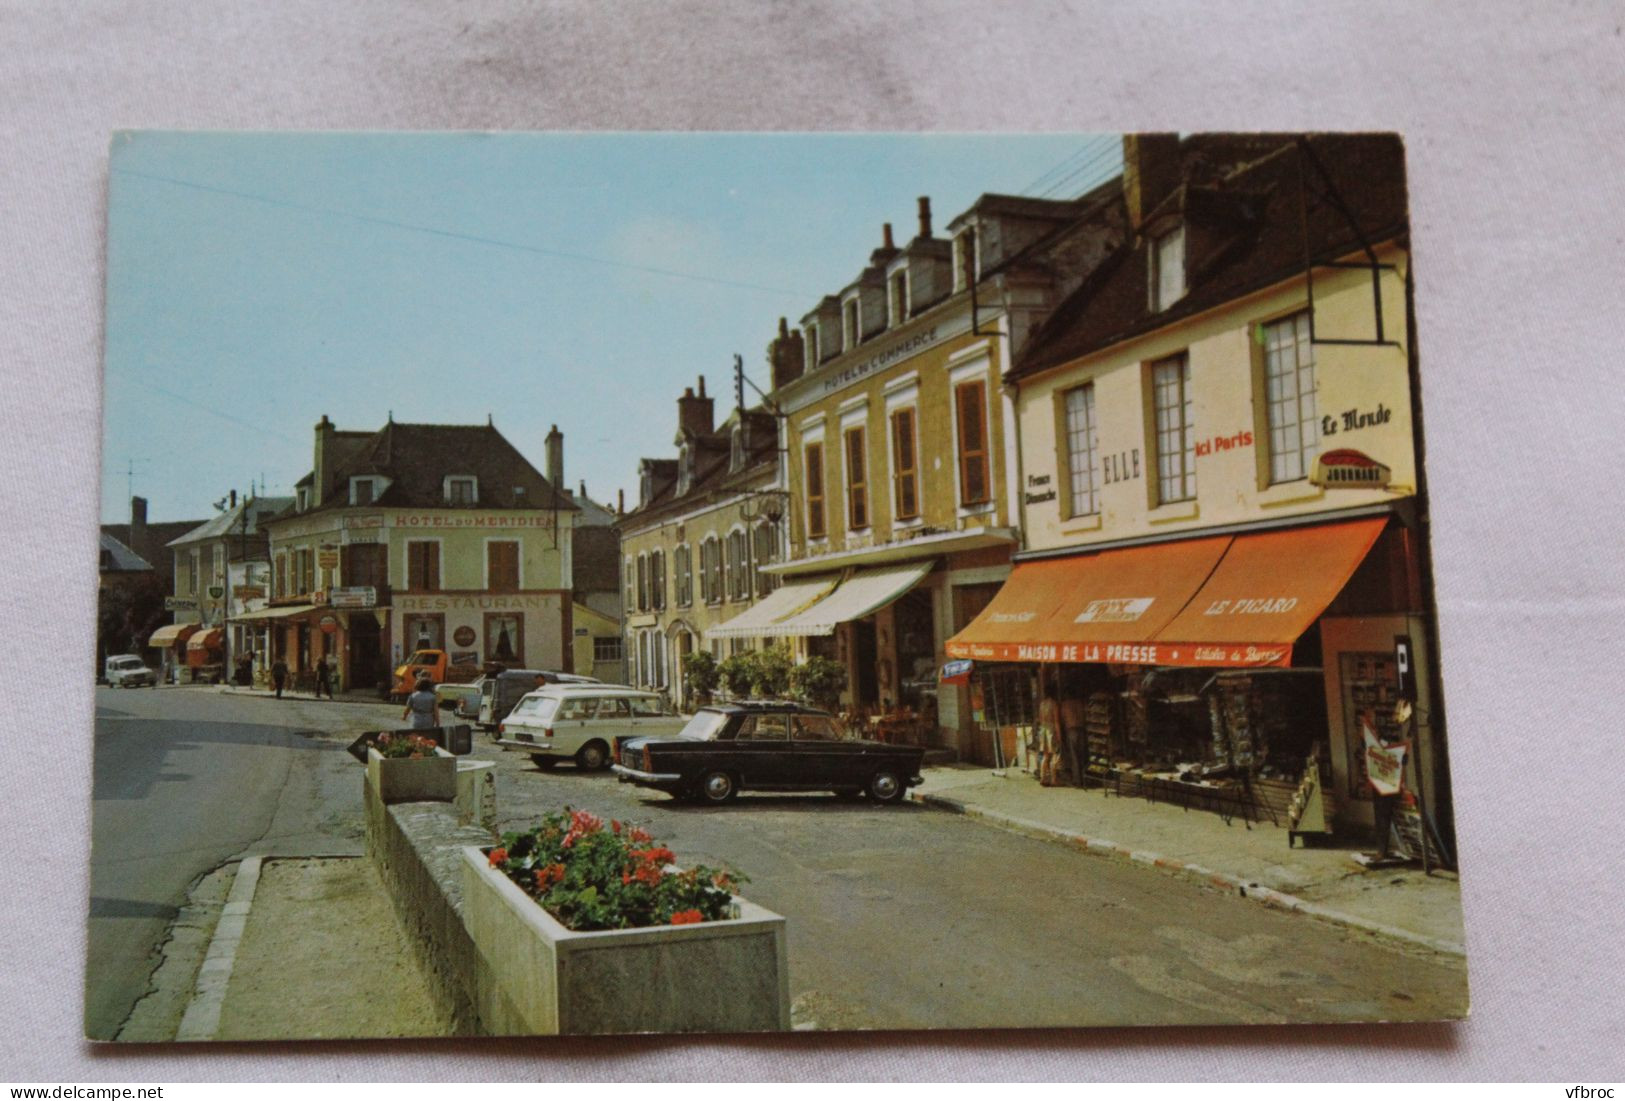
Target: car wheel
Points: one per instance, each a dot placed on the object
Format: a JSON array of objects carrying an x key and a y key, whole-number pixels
[
  {"x": 718, "y": 787},
  {"x": 886, "y": 786},
  {"x": 592, "y": 757}
]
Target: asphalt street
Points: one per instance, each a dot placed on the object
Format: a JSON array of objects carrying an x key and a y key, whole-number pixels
[{"x": 900, "y": 917}]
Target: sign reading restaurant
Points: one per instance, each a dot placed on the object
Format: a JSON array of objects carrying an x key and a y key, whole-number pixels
[{"x": 446, "y": 602}]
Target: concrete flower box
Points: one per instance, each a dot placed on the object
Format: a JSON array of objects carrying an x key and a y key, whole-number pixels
[
  {"x": 539, "y": 978},
  {"x": 405, "y": 780}
]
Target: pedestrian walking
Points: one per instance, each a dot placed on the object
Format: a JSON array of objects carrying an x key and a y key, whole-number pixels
[
  {"x": 324, "y": 679},
  {"x": 1049, "y": 738},
  {"x": 421, "y": 706},
  {"x": 279, "y": 676}
]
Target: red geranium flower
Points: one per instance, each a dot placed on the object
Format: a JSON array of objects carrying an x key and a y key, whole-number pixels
[
  {"x": 498, "y": 856},
  {"x": 687, "y": 917}
]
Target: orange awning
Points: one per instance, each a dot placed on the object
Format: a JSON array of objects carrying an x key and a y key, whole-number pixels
[
  {"x": 1219, "y": 600},
  {"x": 1269, "y": 588},
  {"x": 1096, "y": 607},
  {"x": 171, "y": 634},
  {"x": 205, "y": 640}
]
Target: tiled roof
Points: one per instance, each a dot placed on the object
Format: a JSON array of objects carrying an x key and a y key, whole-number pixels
[
  {"x": 153, "y": 545},
  {"x": 417, "y": 459},
  {"x": 230, "y": 521},
  {"x": 118, "y": 558},
  {"x": 711, "y": 474},
  {"x": 1244, "y": 231}
]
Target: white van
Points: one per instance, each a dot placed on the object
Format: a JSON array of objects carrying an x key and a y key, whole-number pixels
[
  {"x": 583, "y": 721},
  {"x": 128, "y": 671}
]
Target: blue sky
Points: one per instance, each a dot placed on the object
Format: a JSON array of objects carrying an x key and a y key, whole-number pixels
[{"x": 258, "y": 281}]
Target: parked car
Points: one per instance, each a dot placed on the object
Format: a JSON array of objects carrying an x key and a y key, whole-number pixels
[
  {"x": 584, "y": 722},
  {"x": 434, "y": 664},
  {"x": 768, "y": 745},
  {"x": 454, "y": 697},
  {"x": 499, "y": 692},
  {"x": 129, "y": 671}
]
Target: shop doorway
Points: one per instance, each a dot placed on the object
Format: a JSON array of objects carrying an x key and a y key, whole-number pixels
[
  {"x": 865, "y": 652},
  {"x": 366, "y": 651}
]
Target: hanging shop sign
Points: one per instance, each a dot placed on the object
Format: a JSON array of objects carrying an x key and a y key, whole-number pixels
[
  {"x": 1384, "y": 764},
  {"x": 1346, "y": 468},
  {"x": 464, "y": 635},
  {"x": 179, "y": 604},
  {"x": 353, "y": 596},
  {"x": 327, "y": 558},
  {"x": 957, "y": 672},
  {"x": 329, "y": 624}
]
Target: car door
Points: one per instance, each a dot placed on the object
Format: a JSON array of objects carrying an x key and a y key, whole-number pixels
[
  {"x": 823, "y": 756},
  {"x": 650, "y": 716},
  {"x": 572, "y": 723},
  {"x": 762, "y": 748}
]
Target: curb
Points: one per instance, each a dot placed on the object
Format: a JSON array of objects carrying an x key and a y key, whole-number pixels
[
  {"x": 1223, "y": 880},
  {"x": 202, "y": 1017}
]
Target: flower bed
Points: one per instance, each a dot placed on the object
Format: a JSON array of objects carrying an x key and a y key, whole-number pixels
[
  {"x": 583, "y": 928},
  {"x": 413, "y": 777},
  {"x": 589, "y": 877}
]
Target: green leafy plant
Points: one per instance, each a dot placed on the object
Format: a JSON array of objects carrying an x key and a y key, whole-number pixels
[
  {"x": 770, "y": 675},
  {"x": 589, "y": 877},
  {"x": 818, "y": 681},
  {"x": 700, "y": 675},
  {"x": 398, "y": 746},
  {"x": 738, "y": 673}
]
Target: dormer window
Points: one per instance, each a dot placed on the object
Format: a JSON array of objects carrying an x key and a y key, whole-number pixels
[
  {"x": 813, "y": 358},
  {"x": 965, "y": 259},
  {"x": 462, "y": 491},
  {"x": 685, "y": 470},
  {"x": 303, "y": 501},
  {"x": 1167, "y": 268},
  {"x": 898, "y": 298},
  {"x": 736, "y": 449},
  {"x": 850, "y": 331},
  {"x": 363, "y": 491}
]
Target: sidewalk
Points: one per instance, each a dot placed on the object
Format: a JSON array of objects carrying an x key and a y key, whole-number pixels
[
  {"x": 289, "y": 694},
  {"x": 273, "y": 971},
  {"x": 1400, "y": 903}
]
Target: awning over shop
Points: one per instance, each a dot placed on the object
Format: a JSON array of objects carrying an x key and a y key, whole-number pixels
[
  {"x": 266, "y": 615},
  {"x": 1095, "y": 607},
  {"x": 761, "y": 620},
  {"x": 172, "y": 633},
  {"x": 1219, "y": 601},
  {"x": 205, "y": 640},
  {"x": 859, "y": 595}
]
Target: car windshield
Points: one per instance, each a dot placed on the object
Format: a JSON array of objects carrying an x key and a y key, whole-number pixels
[
  {"x": 423, "y": 657},
  {"x": 536, "y": 708},
  {"x": 705, "y": 726},
  {"x": 127, "y": 663}
]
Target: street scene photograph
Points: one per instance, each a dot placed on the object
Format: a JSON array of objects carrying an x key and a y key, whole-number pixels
[{"x": 607, "y": 583}]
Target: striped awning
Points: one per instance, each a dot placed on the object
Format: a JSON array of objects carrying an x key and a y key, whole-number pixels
[
  {"x": 171, "y": 634},
  {"x": 761, "y": 619}
]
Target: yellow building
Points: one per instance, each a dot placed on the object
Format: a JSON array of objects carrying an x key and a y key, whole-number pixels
[
  {"x": 695, "y": 547},
  {"x": 1220, "y": 468},
  {"x": 900, "y": 461},
  {"x": 421, "y": 537}
]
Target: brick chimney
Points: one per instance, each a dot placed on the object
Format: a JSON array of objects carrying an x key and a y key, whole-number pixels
[
  {"x": 138, "y": 525},
  {"x": 694, "y": 411},
  {"x": 319, "y": 467},
  {"x": 925, "y": 216},
  {"x": 787, "y": 355},
  {"x": 555, "y": 459},
  {"x": 1151, "y": 171}
]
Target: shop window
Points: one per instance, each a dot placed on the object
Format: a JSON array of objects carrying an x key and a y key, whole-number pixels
[
  {"x": 1081, "y": 446},
  {"x": 905, "y": 476},
  {"x": 814, "y": 462},
  {"x": 683, "y": 576},
  {"x": 970, "y": 404},
  {"x": 1289, "y": 386},
  {"x": 505, "y": 638},
  {"x": 425, "y": 632},
  {"x": 607, "y": 648},
  {"x": 1167, "y": 269},
  {"x": 857, "y": 480},
  {"x": 502, "y": 566},
  {"x": 462, "y": 492},
  {"x": 423, "y": 566},
  {"x": 1176, "y": 439}
]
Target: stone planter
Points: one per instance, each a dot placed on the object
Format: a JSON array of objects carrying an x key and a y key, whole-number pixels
[
  {"x": 539, "y": 978},
  {"x": 404, "y": 780}
]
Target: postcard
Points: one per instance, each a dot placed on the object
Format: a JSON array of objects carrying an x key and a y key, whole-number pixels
[{"x": 605, "y": 583}]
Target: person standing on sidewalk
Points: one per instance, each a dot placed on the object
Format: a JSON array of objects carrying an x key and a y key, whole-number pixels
[
  {"x": 324, "y": 679},
  {"x": 421, "y": 706},
  {"x": 279, "y": 676}
]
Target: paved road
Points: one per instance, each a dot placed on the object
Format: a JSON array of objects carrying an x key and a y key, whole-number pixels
[
  {"x": 186, "y": 779},
  {"x": 907, "y": 917},
  {"x": 899, "y": 917}
]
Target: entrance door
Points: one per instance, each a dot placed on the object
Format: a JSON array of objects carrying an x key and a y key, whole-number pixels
[
  {"x": 865, "y": 652},
  {"x": 366, "y": 652}
]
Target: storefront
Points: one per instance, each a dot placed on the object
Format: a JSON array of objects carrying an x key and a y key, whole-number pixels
[
  {"x": 1228, "y": 672},
  {"x": 170, "y": 641},
  {"x": 518, "y": 631},
  {"x": 205, "y": 653}
]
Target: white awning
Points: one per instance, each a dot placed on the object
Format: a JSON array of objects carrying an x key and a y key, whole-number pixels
[
  {"x": 857, "y": 596},
  {"x": 760, "y": 620}
]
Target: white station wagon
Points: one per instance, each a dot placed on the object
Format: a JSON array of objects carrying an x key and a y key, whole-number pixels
[{"x": 582, "y": 722}]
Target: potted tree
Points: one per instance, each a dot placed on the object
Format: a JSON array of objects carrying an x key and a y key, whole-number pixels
[
  {"x": 818, "y": 682},
  {"x": 700, "y": 677},
  {"x": 771, "y": 672},
  {"x": 738, "y": 674}
]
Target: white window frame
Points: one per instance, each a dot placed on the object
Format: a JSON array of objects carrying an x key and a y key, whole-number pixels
[
  {"x": 474, "y": 495},
  {"x": 1090, "y": 450},
  {"x": 1166, "y": 253},
  {"x": 897, "y": 296},
  {"x": 372, "y": 486},
  {"x": 1306, "y": 425},
  {"x": 965, "y": 242},
  {"x": 812, "y": 432},
  {"x": 682, "y": 575},
  {"x": 978, "y": 369},
  {"x": 1186, "y": 407},
  {"x": 855, "y": 414},
  {"x": 810, "y": 347},
  {"x": 851, "y": 321}
]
